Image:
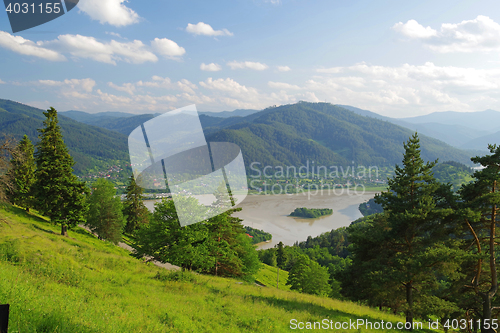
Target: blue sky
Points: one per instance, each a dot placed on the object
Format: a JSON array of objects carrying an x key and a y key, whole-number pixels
[{"x": 396, "y": 58}]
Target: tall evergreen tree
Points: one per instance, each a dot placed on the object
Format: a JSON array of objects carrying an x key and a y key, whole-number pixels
[
  {"x": 23, "y": 174},
  {"x": 59, "y": 193},
  {"x": 413, "y": 243},
  {"x": 105, "y": 216},
  {"x": 280, "y": 260},
  {"x": 7, "y": 150},
  {"x": 482, "y": 216},
  {"x": 280, "y": 255},
  {"x": 134, "y": 209}
]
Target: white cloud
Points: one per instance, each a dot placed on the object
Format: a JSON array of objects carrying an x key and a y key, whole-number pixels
[
  {"x": 71, "y": 88},
  {"x": 110, "y": 52},
  {"x": 390, "y": 90},
  {"x": 86, "y": 47},
  {"x": 205, "y": 29},
  {"x": 210, "y": 67},
  {"x": 2, "y": 81},
  {"x": 247, "y": 65},
  {"x": 114, "y": 34},
  {"x": 282, "y": 85},
  {"x": 284, "y": 69},
  {"x": 481, "y": 34},
  {"x": 413, "y": 29},
  {"x": 416, "y": 89},
  {"x": 167, "y": 48},
  {"x": 165, "y": 83},
  {"x": 24, "y": 46},
  {"x": 86, "y": 85},
  {"x": 129, "y": 88},
  {"x": 113, "y": 12},
  {"x": 227, "y": 85},
  {"x": 331, "y": 70}
]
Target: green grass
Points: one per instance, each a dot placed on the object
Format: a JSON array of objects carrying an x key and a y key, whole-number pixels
[
  {"x": 267, "y": 277},
  {"x": 58, "y": 284}
]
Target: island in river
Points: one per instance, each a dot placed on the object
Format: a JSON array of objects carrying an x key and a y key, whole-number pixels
[{"x": 311, "y": 213}]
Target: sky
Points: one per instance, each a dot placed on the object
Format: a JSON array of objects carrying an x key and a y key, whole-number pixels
[{"x": 395, "y": 58}]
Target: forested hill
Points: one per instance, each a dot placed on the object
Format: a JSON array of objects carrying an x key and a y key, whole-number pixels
[
  {"x": 89, "y": 145},
  {"x": 288, "y": 135},
  {"x": 324, "y": 133}
]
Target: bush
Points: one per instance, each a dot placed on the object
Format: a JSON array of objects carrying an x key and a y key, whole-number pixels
[{"x": 178, "y": 276}]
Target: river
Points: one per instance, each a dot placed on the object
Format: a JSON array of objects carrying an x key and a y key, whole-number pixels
[{"x": 270, "y": 213}]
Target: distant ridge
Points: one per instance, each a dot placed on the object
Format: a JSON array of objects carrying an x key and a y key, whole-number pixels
[{"x": 89, "y": 145}]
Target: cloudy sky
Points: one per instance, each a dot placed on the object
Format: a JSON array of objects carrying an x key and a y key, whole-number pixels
[{"x": 396, "y": 58}]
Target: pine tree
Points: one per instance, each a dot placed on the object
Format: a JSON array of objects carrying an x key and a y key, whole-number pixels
[
  {"x": 135, "y": 211},
  {"x": 280, "y": 255},
  {"x": 23, "y": 173},
  {"x": 413, "y": 242},
  {"x": 105, "y": 216},
  {"x": 481, "y": 199},
  {"x": 280, "y": 260},
  {"x": 59, "y": 193},
  {"x": 7, "y": 150}
]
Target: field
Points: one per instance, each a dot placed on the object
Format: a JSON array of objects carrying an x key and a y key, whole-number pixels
[{"x": 80, "y": 284}]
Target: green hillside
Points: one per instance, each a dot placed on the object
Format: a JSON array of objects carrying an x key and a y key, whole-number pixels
[
  {"x": 327, "y": 134},
  {"x": 90, "y": 146},
  {"x": 288, "y": 135},
  {"x": 80, "y": 284}
]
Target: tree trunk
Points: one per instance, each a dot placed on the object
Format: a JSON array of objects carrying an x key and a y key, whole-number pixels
[
  {"x": 409, "y": 302},
  {"x": 486, "y": 317},
  {"x": 278, "y": 279},
  {"x": 64, "y": 230}
]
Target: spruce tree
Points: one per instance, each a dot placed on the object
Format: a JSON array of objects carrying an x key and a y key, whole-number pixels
[
  {"x": 105, "y": 216},
  {"x": 23, "y": 174},
  {"x": 58, "y": 192},
  {"x": 280, "y": 255},
  {"x": 134, "y": 209},
  {"x": 414, "y": 250},
  {"x": 481, "y": 200}
]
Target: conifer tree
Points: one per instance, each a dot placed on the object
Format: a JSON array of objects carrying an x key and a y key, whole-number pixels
[
  {"x": 481, "y": 199},
  {"x": 105, "y": 216},
  {"x": 58, "y": 192},
  {"x": 134, "y": 209},
  {"x": 412, "y": 239},
  {"x": 23, "y": 174},
  {"x": 7, "y": 150},
  {"x": 280, "y": 255}
]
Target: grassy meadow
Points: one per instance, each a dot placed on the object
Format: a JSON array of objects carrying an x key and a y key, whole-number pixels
[{"x": 80, "y": 284}]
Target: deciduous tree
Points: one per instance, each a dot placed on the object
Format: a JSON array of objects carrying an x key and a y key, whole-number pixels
[{"x": 105, "y": 216}]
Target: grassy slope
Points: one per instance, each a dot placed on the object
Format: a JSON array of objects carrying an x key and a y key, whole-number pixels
[
  {"x": 267, "y": 277},
  {"x": 80, "y": 284}
]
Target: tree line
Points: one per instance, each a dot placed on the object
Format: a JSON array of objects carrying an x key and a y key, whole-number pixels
[
  {"x": 430, "y": 253},
  {"x": 41, "y": 177}
]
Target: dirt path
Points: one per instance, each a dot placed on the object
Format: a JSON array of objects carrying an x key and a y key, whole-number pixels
[{"x": 129, "y": 248}]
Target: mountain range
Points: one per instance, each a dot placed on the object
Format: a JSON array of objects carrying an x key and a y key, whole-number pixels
[
  {"x": 288, "y": 135},
  {"x": 293, "y": 134},
  {"x": 90, "y": 146},
  {"x": 465, "y": 130}
]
